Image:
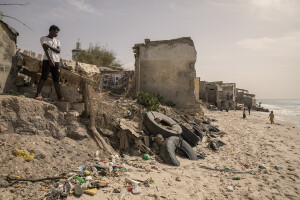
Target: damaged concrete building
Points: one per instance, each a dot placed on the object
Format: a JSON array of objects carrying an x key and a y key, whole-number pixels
[
  {"x": 167, "y": 68},
  {"x": 217, "y": 93},
  {"x": 8, "y": 45},
  {"x": 244, "y": 97}
]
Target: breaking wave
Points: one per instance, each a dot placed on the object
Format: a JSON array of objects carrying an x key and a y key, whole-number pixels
[{"x": 284, "y": 110}]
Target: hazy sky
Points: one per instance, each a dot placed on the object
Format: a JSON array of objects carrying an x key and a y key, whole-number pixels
[{"x": 254, "y": 43}]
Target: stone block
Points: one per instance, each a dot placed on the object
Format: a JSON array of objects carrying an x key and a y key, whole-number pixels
[
  {"x": 79, "y": 107},
  {"x": 71, "y": 116},
  {"x": 47, "y": 91},
  {"x": 63, "y": 106},
  {"x": 69, "y": 92}
]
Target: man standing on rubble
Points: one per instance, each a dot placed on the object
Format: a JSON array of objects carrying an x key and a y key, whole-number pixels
[{"x": 51, "y": 62}]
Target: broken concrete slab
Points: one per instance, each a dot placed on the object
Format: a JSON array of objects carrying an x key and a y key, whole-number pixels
[
  {"x": 63, "y": 106},
  {"x": 71, "y": 93},
  {"x": 79, "y": 107}
]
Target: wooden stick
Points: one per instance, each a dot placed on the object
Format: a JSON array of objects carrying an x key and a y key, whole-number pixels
[{"x": 35, "y": 180}]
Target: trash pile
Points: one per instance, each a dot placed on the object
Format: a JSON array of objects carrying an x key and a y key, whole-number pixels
[
  {"x": 163, "y": 133},
  {"x": 125, "y": 124},
  {"x": 88, "y": 178}
]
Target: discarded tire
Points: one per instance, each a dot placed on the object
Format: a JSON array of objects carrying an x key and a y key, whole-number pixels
[
  {"x": 167, "y": 150},
  {"x": 200, "y": 132},
  {"x": 213, "y": 146},
  {"x": 212, "y": 128},
  {"x": 157, "y": 123},
  {"x": 189, "y": 136}
]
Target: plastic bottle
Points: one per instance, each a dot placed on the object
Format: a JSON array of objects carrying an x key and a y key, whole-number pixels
[
  {"x": 123, "y": 169},
  {"x": 146, "y": 157},
  {"x": 261, "y": 167},
  {"x": 278, "y": 167},
  {"x": 136, "y": 189},
  {"x": 237, "y": 178},
  {"x": 291, "y": 169},
  {"x": 110, "y": 169},
  {"x": 79, "y": 179}
]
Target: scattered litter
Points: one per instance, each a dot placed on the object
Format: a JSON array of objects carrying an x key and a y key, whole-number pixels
[
  {"x": 130, "y": 188},
  {"x": 291, "y": 169},
  {"x": 230, "y": 188},
  {"x": 136, "y": 189},
  {"x": 262, "y": 167},
  {"x": 122, "y": 195},
  {"x": 91, "y": 191},
  {"x": 78, "y": 191},
  {"x": 24, "y": 154},
  {"x": 245, "y": 165},
  {"x": 146, "y": 156},
  {"x": 236, "y": 178},
  {"x": 278, "y": 167}
]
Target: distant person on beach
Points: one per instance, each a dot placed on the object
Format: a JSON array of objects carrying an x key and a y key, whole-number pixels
[
  {"x": 249, "y": 108},
  {"x": 259, "y": 104},
  {"x": 271, "y": 115},
  {"x": 229, "y": 105},
  {"x": 244, "y": 113},
  {"x": 228, "y": 96}
]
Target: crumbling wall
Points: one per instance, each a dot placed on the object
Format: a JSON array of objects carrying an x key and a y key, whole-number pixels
[
  {"x": 167, "y": 68},
  {"x": 7, "y": 57},
  {"x": 197, "y": 87},
  {"x": 202, "y": 90},
  {"x": 245, "y": 98}
]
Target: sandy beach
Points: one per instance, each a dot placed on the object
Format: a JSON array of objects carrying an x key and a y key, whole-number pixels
[{"x": 247, "y": 141}]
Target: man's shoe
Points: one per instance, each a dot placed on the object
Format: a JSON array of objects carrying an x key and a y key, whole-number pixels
[
  {"x": 38, "y": 98},
  {"x": 62, "y": 99}
]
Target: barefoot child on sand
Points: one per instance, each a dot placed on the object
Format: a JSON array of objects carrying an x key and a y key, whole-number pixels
[{"x": 271, "y": 115}]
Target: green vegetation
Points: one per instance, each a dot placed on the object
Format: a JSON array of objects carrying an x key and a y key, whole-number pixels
[
  {"x": 170, "y": 103},
  {"x": 152, "y": 101},
  {"x": 149, "y": 100},
  {"x": 98, "y": 55}
]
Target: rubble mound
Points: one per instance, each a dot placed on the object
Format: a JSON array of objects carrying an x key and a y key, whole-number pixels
[
  {"x": 27, "y": 116},
  {"x": 59, "y": 142}
]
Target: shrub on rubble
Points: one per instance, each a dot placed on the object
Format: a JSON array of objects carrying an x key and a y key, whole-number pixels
[{"x": 150, "y": 100}]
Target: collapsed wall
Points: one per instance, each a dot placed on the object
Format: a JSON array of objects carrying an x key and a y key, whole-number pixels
[
  {"x": 167, "y": 68},
  {"x": 20, "y": 115},
  {"x": 8, "y": 40}
]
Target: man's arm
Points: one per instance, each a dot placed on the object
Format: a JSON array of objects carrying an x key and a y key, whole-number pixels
[
  {"x": 56, "y": 50},
  {"x": 47, "y": 54}
]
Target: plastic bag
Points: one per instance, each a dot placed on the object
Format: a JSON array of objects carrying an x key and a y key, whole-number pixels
[{"x": 24, "y": 154}]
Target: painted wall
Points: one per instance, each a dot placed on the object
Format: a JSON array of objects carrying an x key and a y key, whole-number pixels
[
  {"x": 167, "y": 68},
  {"x": 7, "y": 58}
]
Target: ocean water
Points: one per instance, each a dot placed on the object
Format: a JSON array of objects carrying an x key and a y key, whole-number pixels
[{"x": 284, "y": 110}]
